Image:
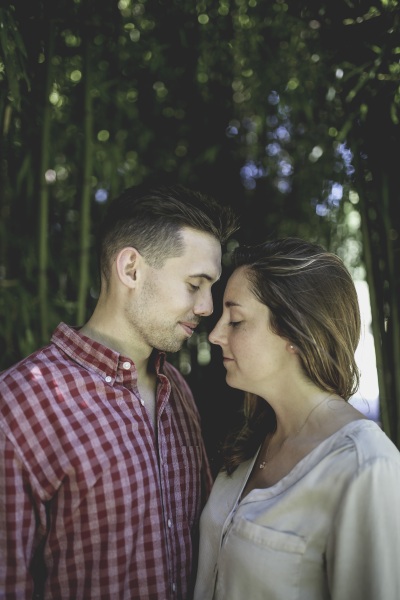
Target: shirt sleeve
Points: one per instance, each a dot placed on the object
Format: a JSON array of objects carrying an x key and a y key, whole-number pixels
[
  {"x": 364, "y": 547},
  {"x": 17, "y": 526}
]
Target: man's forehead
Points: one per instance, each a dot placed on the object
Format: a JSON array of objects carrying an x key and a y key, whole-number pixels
[{"x": 202, "y": 255}]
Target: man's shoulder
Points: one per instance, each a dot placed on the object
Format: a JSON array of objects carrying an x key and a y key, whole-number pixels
[
  {"x": 26, "y": 365},
  {"x": 38, "y": 365},
  {"x": 29, "y": 379},
  {"x": 21, "y": 386}
]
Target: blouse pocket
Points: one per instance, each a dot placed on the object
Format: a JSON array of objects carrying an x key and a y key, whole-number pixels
[
  {"x": 280, "y": 541},
  {"x": 260, "y": 559}
]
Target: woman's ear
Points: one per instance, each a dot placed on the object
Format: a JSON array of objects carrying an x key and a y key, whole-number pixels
[{"x": 127, "y": 264}]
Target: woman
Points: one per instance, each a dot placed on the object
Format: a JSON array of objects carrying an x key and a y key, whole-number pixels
[{"x": 307, "y": 506}]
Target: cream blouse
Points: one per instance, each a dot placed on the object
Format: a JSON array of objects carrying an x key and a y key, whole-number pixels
[{"x": 330, "y": 529}]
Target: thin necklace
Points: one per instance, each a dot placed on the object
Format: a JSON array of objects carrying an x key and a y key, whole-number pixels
[{"x": 267, "y": 458}]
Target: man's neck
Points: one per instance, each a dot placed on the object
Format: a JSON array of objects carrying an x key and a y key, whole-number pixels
[{"x": 111, "y": 337}]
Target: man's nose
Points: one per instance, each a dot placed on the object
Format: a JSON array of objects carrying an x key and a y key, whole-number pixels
[{"x": 204, "y": 307}]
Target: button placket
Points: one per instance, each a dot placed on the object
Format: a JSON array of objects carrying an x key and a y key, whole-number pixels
[{"x": 163, "y": 479}]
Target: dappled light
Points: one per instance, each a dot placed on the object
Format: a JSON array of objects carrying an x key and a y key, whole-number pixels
[
  {"x": 287, "y": 111},
  {"x": 75, "y": 75},
  {"x": 101, "y": 195},
  {"x": 103, "y": 135},
  {"x": 315, "y": 154},
  {"x": 50, "y": 176}
]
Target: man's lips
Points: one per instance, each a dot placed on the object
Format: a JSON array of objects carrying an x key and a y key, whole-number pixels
[{"x": 189, "y": 327}]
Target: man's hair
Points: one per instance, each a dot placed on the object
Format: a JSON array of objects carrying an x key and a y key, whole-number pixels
[{"x": 151, "y": 221}]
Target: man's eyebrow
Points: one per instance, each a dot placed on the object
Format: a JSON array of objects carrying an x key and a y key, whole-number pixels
[{"x": 204, "y": 276}]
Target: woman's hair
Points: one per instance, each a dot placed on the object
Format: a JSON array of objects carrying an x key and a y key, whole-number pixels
[
  {"x": 313, "y": 304},
  {"x": 151, "y": 220}
]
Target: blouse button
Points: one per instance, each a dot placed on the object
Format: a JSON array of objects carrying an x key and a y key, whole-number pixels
[
  {"x": 108, "y": 379},
  {"x": 126, "y": 365}
]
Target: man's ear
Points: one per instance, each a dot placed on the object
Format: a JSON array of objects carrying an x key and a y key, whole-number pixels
[{"x": 127, "y": 263}]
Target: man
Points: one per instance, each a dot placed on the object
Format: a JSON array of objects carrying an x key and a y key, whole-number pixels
[{"x": 103, "y": 471}]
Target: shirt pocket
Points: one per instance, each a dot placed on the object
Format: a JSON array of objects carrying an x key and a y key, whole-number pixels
[{"x": 261, "y": 559}]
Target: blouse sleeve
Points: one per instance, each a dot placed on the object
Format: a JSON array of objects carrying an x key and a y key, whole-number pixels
[{"x": 364, "y": 546}]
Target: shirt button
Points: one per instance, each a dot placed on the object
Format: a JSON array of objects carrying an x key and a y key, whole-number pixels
[
  {"x": 126, "y": 365},
  {"x": 108, "y": 379},
  {"x": 142, "y": 402},
  {"x": 173, "y": 587},
  {"x": 169, "y": 523}
]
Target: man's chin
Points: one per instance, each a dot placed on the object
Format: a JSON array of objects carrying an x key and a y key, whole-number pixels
[{"x": 171, "y": 347}]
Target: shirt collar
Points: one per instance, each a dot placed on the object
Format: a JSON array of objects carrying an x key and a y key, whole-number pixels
[{"x": 95, "y": 356}]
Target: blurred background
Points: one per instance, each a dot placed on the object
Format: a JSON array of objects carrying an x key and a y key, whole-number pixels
[{"x": 286, "y": 110}]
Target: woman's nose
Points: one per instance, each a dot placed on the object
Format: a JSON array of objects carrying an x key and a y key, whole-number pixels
[{"x": 215, "y": 336}]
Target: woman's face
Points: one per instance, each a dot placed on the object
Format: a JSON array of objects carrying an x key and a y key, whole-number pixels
[{"x": 255, "y": 358}]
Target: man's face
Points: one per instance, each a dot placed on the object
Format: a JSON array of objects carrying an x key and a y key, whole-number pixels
[{"x": 171, "y": 300}]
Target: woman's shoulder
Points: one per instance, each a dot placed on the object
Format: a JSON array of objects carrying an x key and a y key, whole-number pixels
[{"x": 370, "y": 442}]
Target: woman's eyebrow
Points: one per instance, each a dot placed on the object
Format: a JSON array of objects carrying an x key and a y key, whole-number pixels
[{"x": 230, "y": 303}]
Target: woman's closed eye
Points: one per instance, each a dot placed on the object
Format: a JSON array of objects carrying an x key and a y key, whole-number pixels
[{"x": 234, "y": 323}]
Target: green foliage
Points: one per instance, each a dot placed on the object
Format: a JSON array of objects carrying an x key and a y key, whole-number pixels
[{"x": 288, "y": 111}]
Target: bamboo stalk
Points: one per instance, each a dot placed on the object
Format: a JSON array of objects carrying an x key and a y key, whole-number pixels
[
  {"x": 44, "y": 197},
  {"x": 86, "y": 192}
]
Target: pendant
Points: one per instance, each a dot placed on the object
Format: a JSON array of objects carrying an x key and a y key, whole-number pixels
[{"x": 262, "y": 465}]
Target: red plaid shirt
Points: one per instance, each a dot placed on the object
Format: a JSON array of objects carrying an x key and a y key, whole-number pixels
[{"x": 91, "y": 505}]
